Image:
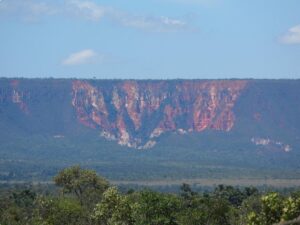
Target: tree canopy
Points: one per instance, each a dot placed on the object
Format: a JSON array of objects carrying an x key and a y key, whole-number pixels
[{"x": 86, "y": 198}]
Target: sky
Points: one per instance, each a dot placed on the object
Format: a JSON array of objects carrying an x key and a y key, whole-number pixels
[{"x": 150, "y": 39}]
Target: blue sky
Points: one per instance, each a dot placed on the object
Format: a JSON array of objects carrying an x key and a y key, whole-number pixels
[{"x": 150, "y": 38}]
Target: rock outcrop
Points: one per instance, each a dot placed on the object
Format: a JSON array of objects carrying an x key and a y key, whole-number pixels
[{"x": 134, "y": 113}]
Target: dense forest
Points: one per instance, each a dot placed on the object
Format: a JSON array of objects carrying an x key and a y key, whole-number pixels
[{"x": 82, "y": 197}]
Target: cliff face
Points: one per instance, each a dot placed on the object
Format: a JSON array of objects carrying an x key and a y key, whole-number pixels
[
  {"x": 12, "y": 93},
  {"x": 134, "y": 113},
  {"x": 206, "y": 127}
]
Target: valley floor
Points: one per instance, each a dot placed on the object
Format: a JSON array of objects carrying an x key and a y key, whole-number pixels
[{"x": 278, "y": 183}]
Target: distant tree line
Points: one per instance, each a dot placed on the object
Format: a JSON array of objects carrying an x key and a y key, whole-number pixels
[{"x": 85, "y": 198}]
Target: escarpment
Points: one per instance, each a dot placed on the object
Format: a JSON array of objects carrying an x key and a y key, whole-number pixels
[{"x": 135, "y": 113}]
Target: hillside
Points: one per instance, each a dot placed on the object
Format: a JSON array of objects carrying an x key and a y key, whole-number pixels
[{"x": 149, "y": 129}]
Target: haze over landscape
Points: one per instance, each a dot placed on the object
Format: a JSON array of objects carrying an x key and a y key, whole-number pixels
[
  {"x": 140, "y": 75},
  {"x": 157, "y": 112}
]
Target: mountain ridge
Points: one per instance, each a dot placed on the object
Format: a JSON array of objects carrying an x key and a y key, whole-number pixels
[
  {"x": 135, "y": 112},
  {"x": 41, "y": 131}
]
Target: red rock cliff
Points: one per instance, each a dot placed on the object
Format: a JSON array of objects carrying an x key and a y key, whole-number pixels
[{"x": 134, "y": 113}]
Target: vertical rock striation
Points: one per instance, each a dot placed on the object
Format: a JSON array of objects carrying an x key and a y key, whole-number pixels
[
  {"x": 12, "y": 93},
  {"x": 134, "y": 113}
]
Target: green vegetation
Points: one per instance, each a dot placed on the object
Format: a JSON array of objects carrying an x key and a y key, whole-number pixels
[
  {"x": 35, "y": 146},
  {"x": 82, "y": 197},
  {"x": 39, "y": 158}
]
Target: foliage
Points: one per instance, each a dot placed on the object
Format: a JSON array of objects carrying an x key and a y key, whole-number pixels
[
  {"x": 291, "y": 208},
  {"x": 225, "y": 205},
  {"x": 17, "y": 207},
  {"x": 52, "y": 211},
  {"x": 155, "y": 208},
  {"x": 114, "y": 209},
  {"x": 275, "y": 208},
  {"x": 84, "y": 184}
]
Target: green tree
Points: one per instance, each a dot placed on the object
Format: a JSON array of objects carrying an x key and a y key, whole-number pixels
[
  {"x": 291, "y": 208},
  {"x": 194, "y": 210},
  {"x": 231, "y": 194},
  {"x": 56, "y": 211},
  {"x": 248, "y": 211},
  {"x": 114, "y": 209},
  {"x": 16, "y": 208},
  {"x": 219, "y": 210},
  {"x": 187, "y": 194},
  {"x": 272, "y": 207},
  {"x": 271, "y": 210},
  {"x": 155, "y": 208},
  {"x": 86, "y": 185}
]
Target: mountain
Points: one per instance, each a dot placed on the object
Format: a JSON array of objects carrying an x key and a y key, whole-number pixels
[
  {"x": 134, "y": 113},
  {"x": 210, "y": 121}
]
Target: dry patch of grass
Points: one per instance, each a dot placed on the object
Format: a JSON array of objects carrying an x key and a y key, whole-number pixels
[{"x": 213, "y": 182}]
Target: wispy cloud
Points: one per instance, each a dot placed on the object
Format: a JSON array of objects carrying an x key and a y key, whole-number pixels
[
  {"x": 83, "y": 57},
  {"x": 149, "y": 23},
  {"x": 86, "y": 9},
  {"x": 198, "y": 2},
  {"x": 28, "y": 10},
  {"x": 292, "y": 36},
  {"x": 91, "y": 10}
]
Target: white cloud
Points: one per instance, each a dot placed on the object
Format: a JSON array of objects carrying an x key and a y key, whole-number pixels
[
  {"x": 87, "y": 9},
  {"x": 149, "y": 23},
  {"x": 90, "y": 10},
  {"x": 168, "y": 21},
  {"x": 83, "y": 57},
  {"x": 29, "y": 9},
  {"x": 198, "y": 2},
  {"x": 292, "y": 36},
  {"x": 41, "y": 8}
]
